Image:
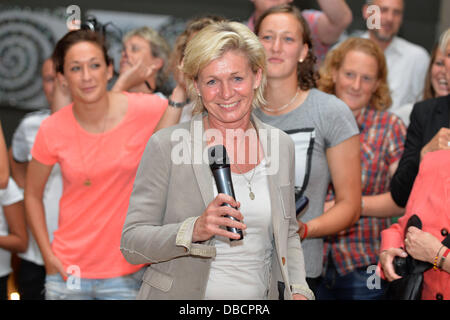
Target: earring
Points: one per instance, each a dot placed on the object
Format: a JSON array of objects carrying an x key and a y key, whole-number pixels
[{"x": 301, "y": 60}]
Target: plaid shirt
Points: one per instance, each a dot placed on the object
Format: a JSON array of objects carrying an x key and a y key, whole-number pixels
[{"x": 382, "y": 140}]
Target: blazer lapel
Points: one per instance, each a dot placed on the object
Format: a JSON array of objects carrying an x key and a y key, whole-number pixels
[
  {"x": 201, "y": 169},
  {"x": 204, "y": 177},
  {"x": 442, "y": 113},
  {"x": 265, "y": 138}
]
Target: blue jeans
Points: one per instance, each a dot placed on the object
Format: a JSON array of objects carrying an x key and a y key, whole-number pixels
[
  {"x": 119, "y": 288},
  {"x": 360, "y": 284}
]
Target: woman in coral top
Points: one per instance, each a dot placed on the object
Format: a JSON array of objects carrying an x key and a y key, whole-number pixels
[{"x": 98, "y": 141}]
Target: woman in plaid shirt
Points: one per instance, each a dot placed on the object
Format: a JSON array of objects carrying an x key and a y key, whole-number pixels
[{"x": 356, "y": 72}]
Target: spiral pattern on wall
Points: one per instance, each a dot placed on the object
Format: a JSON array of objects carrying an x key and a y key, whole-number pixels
[{"x": 24, "y": 45}]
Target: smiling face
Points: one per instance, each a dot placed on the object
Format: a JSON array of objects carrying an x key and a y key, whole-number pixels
[
  {"x": 356, "y": 79},
  {"x": 439, "y": 75},
  {"x": 281, "y": 36},
  {"x": 227, "y": 87},
  {"x": 86, "y": 72}
]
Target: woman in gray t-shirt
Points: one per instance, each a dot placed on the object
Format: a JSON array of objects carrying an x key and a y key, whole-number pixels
[{"x": 322, "y": 126}]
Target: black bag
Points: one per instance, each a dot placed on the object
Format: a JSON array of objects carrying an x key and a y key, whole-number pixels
[{"x": 409, "y": 287}]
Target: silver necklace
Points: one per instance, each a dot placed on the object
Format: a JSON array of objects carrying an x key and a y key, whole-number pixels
[
  {"x": 249, "y": 182},
  {"x": 282, "y": 107}
]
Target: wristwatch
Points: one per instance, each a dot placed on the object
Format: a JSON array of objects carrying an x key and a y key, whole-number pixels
[{"x": 177, "y": 104}]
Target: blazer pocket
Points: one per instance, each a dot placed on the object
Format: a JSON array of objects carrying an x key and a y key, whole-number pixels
[
  {"x": 286, "y": 194},
  {"x": 157, "y": 279}
]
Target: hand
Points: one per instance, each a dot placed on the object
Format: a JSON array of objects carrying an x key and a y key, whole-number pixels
[
  {"x": 134, "y": 76},
  {"x": 421, "y": 245},
  {"x": 439, "y": 142},
  {"x": 298, "y": 296},
  {"x": 179, "y": 76},
  {"x": 209, "y": 223},
  {"x": 302, "y": 230},
  {"x": 386, "y": 261},
  {"x": 61, "y": 94},
  {"x": 54, "y": 265}
]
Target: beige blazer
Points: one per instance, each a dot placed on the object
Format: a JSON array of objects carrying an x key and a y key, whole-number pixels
[{"x": 172, "y": 189}]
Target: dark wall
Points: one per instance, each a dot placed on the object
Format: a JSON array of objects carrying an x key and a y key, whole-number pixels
[{"x": 420, "y": 21}]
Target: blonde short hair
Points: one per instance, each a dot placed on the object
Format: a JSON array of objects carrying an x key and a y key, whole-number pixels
[
  {"x": 159, "y": 47},
  {"x": 381, "y": 98},
  {"x": 211, "y": 43}
]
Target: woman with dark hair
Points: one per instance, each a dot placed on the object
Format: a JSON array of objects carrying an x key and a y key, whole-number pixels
[
  {"x": 323, "y": 129},
  {"x": 98, "y": 141}
]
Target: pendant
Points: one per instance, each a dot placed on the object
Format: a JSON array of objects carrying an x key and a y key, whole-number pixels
[
  {"x": 87, "y": 182},
  {"x": 251, "y": 195}
]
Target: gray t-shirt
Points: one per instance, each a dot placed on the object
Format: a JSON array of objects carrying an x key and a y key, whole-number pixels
[{"x": 321, "y": 122}]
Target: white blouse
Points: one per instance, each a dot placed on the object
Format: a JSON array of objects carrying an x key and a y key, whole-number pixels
[{"x": 241, "y": 269}]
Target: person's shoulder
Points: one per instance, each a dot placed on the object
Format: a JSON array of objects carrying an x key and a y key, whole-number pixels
[
  {"x": 427, "y": 106},
  {"x": 36, "y": 115},
  {"x": 173, "y": 133},
  {"x": 33, "y": 119},
  {"x": 146, "y": 105},
  {"x": 58, "y": 118},
  {"x": 388, "y": 117},
  {"x": 409, "y": 48},
  {"x": 272, "y": 131},
  {"x": 326, "y": 102},
  {"x": 145, "y": 99}
]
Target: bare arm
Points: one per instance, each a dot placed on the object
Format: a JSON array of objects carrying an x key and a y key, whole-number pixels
[
  {"x": 345, "y": 167},
  {"x": 134, "y": 76},
  {"x": 172, "y": 115},
  {"x": 17, "y": 239},
  {"x": 382, "y": 205},
  {"x": 336, "y": 18},
  {"x": 4, "y": 168},
  {"x": 18, "y": 170},
  {"x": 37, "y": 176}
]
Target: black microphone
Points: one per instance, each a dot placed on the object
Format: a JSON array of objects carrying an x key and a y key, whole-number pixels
[{"x": 220, "y": 167}]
